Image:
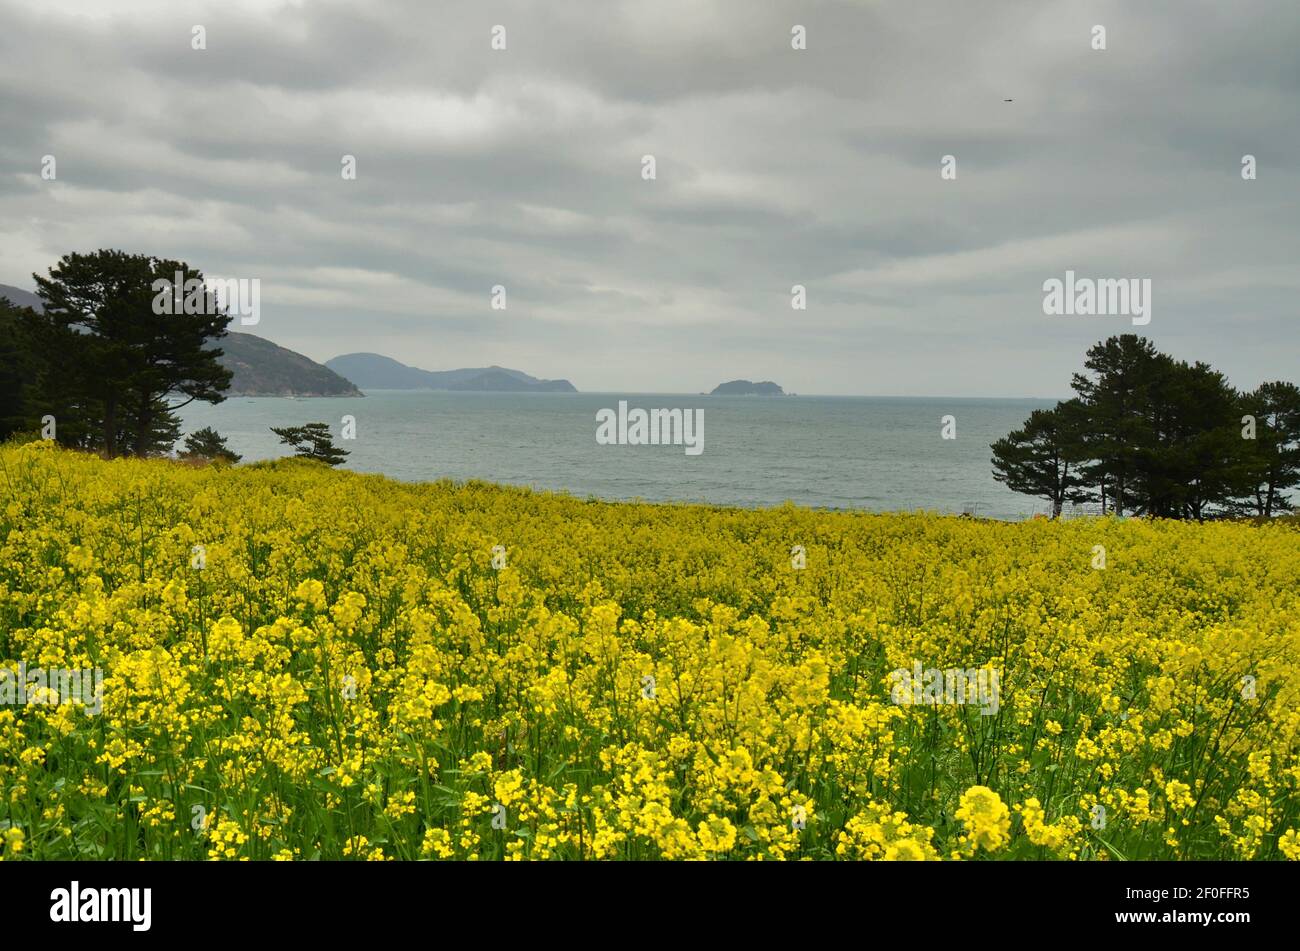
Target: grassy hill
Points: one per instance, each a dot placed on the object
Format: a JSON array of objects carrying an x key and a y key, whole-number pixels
[{"x": 262, "y": 368}]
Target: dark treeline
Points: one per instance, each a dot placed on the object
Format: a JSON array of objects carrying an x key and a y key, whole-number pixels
[
  {"x": 123, "y": 341},
  {"x": 1146, "y": 434},
  {"x": 100, "y": 368}
]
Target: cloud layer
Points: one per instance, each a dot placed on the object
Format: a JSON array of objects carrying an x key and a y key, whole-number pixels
[{"x": 775, "y": 167}]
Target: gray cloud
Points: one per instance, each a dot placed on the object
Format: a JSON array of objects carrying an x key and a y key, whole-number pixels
[{"x": 775, "y": 167}]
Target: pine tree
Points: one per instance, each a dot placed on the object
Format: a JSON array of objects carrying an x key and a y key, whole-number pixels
[
  {"x": 1041, "y": 458},
  {"x": 1275, "y": 450},
  {"x": 207, "y": 443},
  {"x": 115, "y": 358},
  {"x": 311, "y": 441}
]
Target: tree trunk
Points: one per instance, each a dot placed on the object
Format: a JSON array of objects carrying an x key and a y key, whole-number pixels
[
  {"x": 142, "y": 426},
  {"x": 110, "y": 427}
]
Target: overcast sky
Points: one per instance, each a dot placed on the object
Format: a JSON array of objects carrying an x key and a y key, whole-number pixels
[{"x": 775, "y": 167}]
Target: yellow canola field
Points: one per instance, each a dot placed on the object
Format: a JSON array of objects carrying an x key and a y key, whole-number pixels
[{"x": 298, "y": 663}]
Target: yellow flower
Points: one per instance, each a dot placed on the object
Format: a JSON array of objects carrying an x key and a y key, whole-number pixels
[
  {"x": 1289, "y": 843},
  {"x": 349, "y": 676},
  {"x": 11, "y": 842},
  {"x": 717, "y": 835},
  {"x": 508, "y": 787},
  {"x": 987, "y": 819},
  {"x": 1178, "y": 794},
  {"x": 311, "y": 593},
  {"x": 905, "y": 850}
]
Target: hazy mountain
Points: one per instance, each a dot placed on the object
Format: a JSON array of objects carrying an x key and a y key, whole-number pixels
[
  {"x": 262, "y": 368},
  {"x": 746, "y": 388},
  {"x": 20, "y": 297},
  {"x": 500, "y": 380},
  {"x": 377, "y": 372}
]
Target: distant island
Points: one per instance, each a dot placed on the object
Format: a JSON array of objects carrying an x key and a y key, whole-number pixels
[
  {"x": 374, "y": 371},
  {"x": 258, "y": 366},
  {"x": 746, "y": 388}
]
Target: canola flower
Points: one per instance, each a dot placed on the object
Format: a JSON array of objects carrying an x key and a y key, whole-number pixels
[
  {"x": 345, "y": 672},
  {"x": 987, "y": 819}
]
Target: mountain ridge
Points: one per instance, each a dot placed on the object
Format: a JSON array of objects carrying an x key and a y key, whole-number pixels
[
  {"x": 20, "y": 298},
  {"x": 258, "y": 366},
  {"x": 263, "y": 368},
  {"x": 375, "y": 371}
]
